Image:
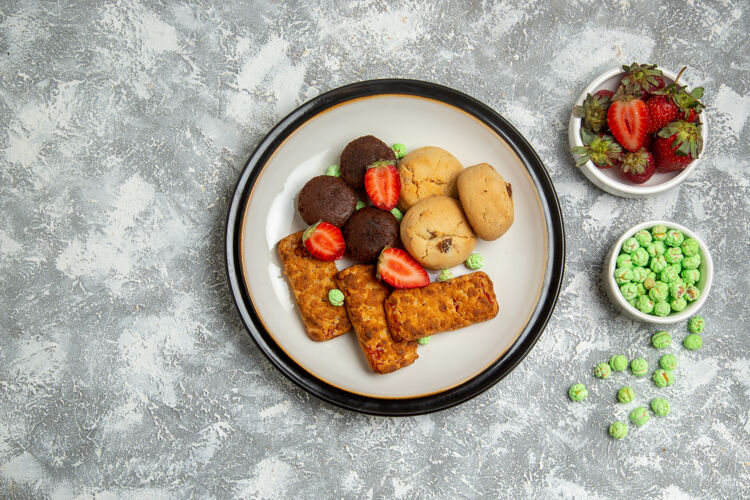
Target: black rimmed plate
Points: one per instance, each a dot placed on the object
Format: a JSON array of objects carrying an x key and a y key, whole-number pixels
[{"x": 525, "y": 264}]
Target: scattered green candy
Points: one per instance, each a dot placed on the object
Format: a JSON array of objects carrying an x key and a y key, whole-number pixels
[
  {"x": 577, "y": 392},
  {"x": 625, "y": 394},
  {"x": 639, "y": 274},
  {"x": 618, "y": 363},
  {"x": 445, "y": 275},
  {"x": 426, "y": 340},
  {"x": 662, "y": 308},
  {"x": 659, "y": 233},
  {"x": 476, "y": 261},
  {"x": 334, "y": 171},
  {"x": 399, "y": 150},
  {"x": 639, "y": 257},
  {"x": 618, "y": 430},
  {"x": 360, "y": 205},
  {"x": 673, "y": 255},
  {"x": 674, "y": 238},
  {"x": 696, "y": 324},
  {"x": 663, "y": 378},
  {"x": 692, "y": 293},
  {"x": 668, "y": 362},
  {"x": 397, "y": 214},
  {"x": 602, "y": 370},
  {"x": 639, "y": 416},
  {"x": 690, "y": 247},
  {"x": 691, "y": 262},
  {"x": 643, "y": 237},
  {"x": 639, "y": 367},
  {"x": 629, "y": 291},
  {"x": 656, "y": 248},
  {"x": 624, "y": 261},
  {"x": 645, "y": 304},
  {"x": 660, "y": 407},
  {"x": 661, "y": 339},
  {"x": 336, "y": 297},
  {"x": 622, "y": 275},
  {"x": 629, "y": 245},
  {"x": 670, "y": 274},
  {"x": 659, "y": 292},
  {"x": 658, "y": 264},
  {"x": 678, "y": 304},
  {"x": 691, "y": 276},
  {"x": 693, "y": 342}
]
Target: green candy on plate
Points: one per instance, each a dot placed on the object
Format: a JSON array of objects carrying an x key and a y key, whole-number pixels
[
  {"x": 476, "y": 261},
  {"x": 445, "y": 275},
  {"x": 426, "y": 340},
  {"x": 336, "y": 297},
  {"x": 397, "y": 214},
  {"x": 334, "y": 171}
]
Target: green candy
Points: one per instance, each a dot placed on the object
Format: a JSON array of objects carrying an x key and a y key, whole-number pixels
[
  {"x": 602, "y": 370},
  {"x": 624, "y": 261},
  {"x": 622, "y": 275},
  {"x": 577, "y": 392},
  {"x": 629, "y": 291},
  {"x": 397, "y": 214},
  {"x": 618, "y": 363},
  {"x": 639, "y": 367},
  {"x": 618, "y": 430},
  {"x": 670, "y": 274},
  {"x": 651, "y": 275},
  {"x": 678, "y": 304},
  {"x": 690, "y": 247},
  {"x": 629, "y": 245},
  {"x": 639, "y": 274},
  {"x": 643, "y": 237},
  {"x": 662, "y": 308},
  {"x": 668, "y": 362},
  {"x": 634, "y": 302},
  {"x": 673, "y": 255},
  {"x": 426, "y": 340},
  {"x": 693, "y": 342},
  {"x": 445, "y": 275},
  {"x": 691, "y": 276},
  {"x": 696, "y": 324},
  {"x": 658, "y": 264},
  {"x": 649, "y": 282},
  {"x": 674, "y": 238},
  {"x": 656, "y": 248},
  {"x": 661, "y": 340},
  {"x": 476, "y": 261},
  {"x": 336, "y": 297},
  {"x": 663, "y": 378},
  {"x": 645, "y": 304},
  {"x": 399, "y": 149},
  {"x": 639, "y": 257},
  {"x": 639, "y": 416},
  {"x": 677, "y": 289},
  {"x": 691, "y": 262},
  {"x": 659, "y": 292},
  {"x": 659, "y": 233},
  {"x": 625, "y": 394},
  {"x": 660, "y": 407},
  {"x": 334, "y": 171},
  {"x": 641, "y": 289},
  {"x": 692, "y": 293},
  {"x": 360, "y": 205}
]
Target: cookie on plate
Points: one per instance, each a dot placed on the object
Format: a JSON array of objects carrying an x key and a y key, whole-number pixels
[
  {"x": 425, "y": 172},
  {"x": 437, "y": 234},
  {"x": 368, "y": 231},
  {"x": 328, "y": 199},
  {"x": 487, "y": 200}
]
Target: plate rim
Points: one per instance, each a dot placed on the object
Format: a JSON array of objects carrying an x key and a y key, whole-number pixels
[{"x": 538, "y": 319}]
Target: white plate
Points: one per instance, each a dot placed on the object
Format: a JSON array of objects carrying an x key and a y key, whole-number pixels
[{"x": 525, "y": 264}]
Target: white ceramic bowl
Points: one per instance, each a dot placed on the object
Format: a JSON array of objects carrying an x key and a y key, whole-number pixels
[
  {"x": 609, "y": 179},
  {"x": 613, "y": 290}
]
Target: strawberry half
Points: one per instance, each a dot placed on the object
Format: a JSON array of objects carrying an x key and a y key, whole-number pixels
[
  {"x": 400, "y": 270},
  {"x": 383, "y": 184},
  {"x": 628, "y": 121},
  {"x": 324, "y": 241},
  {"x": 677, "y": 145}
]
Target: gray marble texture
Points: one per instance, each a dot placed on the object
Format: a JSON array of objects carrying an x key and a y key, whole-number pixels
[{"x": 125, "y": 371}]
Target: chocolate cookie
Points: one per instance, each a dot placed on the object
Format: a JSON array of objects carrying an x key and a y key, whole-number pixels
[
  {"x": 368, "y": 231},
  {"x": 326, "y": 198},
  {"x": 360, "y": 153}
]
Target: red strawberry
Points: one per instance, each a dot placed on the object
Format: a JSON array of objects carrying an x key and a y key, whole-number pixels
[
  {"x": 628, "y": 121},
  {"x": 324, "y": 241},
  {"x": 638, "y": 167},
  {"x": 689, "y": 116},
  {"x": 602, "y": 150},
  {"x": 661, "y": 111},
  {"x": 400, "y": 270},
  {"x": 383, "y": 184},
  {"x": 687, "y": 103},
  {"x": 677, "y": 145},
  {"x": 609, "y": 94},
  {"x": 639, "y": 80}
]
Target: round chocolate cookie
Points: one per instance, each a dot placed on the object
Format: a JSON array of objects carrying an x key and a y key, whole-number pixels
[
  {"x": 360, "y": 153},
  {"x": 326, "y": 198},
  {"x": 368, "y": 231}
]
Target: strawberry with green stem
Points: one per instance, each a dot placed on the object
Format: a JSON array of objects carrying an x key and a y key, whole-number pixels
[
  {"x": 593, "y": 111},
  {"x": 640, "y": 80},
  {"x": 638, "y": 166},
  {"x": 677, "y": 145},
  {"x": 602, "y": 150},
  {"x": 673, "y": 102}
]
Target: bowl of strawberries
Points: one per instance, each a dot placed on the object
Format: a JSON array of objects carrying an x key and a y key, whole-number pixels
[{"x": 637, "y": 130}]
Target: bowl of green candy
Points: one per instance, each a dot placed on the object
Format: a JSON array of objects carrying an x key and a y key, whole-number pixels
[{"x": 658, "y": 272}]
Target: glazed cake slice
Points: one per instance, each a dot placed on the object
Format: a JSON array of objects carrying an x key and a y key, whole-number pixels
[
  {"x": 365, "y": 295},
  {"x": 311, "y": 279}
]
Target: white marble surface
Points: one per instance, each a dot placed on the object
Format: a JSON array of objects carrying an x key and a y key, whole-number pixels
[{"x": 124, "y": 369}]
